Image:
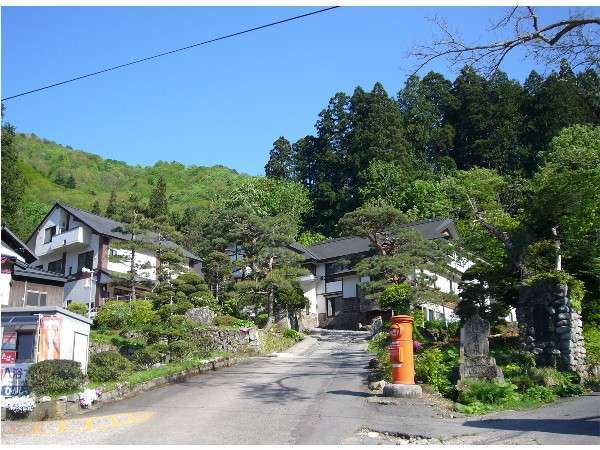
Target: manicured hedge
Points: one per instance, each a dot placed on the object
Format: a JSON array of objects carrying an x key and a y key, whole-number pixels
[
  {"x": 108, "y": 366},
  {"x": 54, "y": 376}
]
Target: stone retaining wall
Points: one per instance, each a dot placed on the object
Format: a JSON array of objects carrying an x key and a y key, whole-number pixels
[
  {"x": 562, "y": 336},
  {"x": 230, "y": 340}
]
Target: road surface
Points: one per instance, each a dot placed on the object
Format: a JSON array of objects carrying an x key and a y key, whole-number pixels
[{"x": 314, "y": 395}]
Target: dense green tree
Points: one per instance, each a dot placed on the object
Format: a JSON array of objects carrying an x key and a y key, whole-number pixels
[
  {"x": 13, "y": 183},
  {"x": 111, "y": 208},
  {"x": 96, "y": 207},
  {"x": 217, "y": 268},
  {"x": 281, "y": 164},
  {"x": 399, "y": 254},
  {"x": 158, "y": 204}
]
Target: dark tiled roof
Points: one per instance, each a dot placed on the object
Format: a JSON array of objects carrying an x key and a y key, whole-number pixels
[
  {"x": 106, "y": 227},
  {"x": 352, "y": 245},
  {"x": 13, "y": 242},
  {"x": 24, "y": 270}
]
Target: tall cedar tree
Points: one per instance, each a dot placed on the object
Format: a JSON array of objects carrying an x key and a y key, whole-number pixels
[
  {"x": 158, "y": 204},
  {"x": 13, "y": 182},
  {"x": 112, "y": 208},
  {"x": 280, "y": 164}
]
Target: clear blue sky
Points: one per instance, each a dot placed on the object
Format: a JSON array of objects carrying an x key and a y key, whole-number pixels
[{"x": 219, "y": 104}]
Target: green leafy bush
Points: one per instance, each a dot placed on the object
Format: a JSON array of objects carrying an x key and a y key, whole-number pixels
[
  {"x": 487, "y": 392},
  {"x": 117, "y": 314},
  {"x": 78, "y": 308},
  {"x": 150, "y": 355},
  {"x": 434, "y": 366},
  {"x": 512, "y": 370},
  {"x": 591, "y": 334},
  {"x": 562, "y": 383},
  {"x": 397, "y": 297},
  {"x": 180, "y": 350},
  {"x": 243, "y": 323},
  {"x": 523, "y": 382},
  {"x": 108, "y": 366},
  {"x": 540, "y": 394},
  {"x": 593, "y": 383},
  {"x": 261, "y": 320},
  {"x": 293, "y": 334},
  {"x": 54, "y": 376},
  {"x": 225, "y": 320}
]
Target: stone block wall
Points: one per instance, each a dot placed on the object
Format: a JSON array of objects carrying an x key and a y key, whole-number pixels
[
  {"x": 550, "y": 327},
  {"x": 230, "y": 340}
]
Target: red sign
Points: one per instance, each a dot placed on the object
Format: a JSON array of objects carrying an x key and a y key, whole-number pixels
[
  {"x": 9, "y": 356},
  {"x": 9, "y": 340}
]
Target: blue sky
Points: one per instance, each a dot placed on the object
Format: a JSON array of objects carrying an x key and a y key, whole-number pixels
[{"x": 224, "y": 103}]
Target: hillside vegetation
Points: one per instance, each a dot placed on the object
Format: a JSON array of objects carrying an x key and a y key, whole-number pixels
[{"x": 48, "y": 166}]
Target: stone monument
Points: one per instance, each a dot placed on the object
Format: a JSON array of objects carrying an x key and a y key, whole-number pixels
[{"x": 476, "y": 363}]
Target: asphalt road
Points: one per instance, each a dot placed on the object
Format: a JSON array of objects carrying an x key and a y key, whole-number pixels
[{"x": 314, "y": 395}]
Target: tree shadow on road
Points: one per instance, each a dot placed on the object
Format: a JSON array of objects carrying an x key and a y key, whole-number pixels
[
  {"x": 350, "y": 393},
  {"x": 586, "y": 426}
]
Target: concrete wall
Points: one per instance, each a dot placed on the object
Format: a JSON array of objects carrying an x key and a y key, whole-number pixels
[
  {"x": 78, "y": 291},
  {"x": 54, "y": 295}
]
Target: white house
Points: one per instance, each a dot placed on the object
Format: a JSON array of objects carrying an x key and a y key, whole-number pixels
[
  {"x": 81, "y": 246},
  {"x": 333, "y": 290}
]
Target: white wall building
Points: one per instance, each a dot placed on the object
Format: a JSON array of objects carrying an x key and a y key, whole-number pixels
[
  {"x": 333, "y": 289},
  {"x": 84, "y": 247}
]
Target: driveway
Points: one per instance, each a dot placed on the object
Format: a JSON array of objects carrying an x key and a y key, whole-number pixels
[{"x": 313, "y": 394}]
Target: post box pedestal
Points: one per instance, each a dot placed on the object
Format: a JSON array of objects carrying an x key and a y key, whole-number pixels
[{"x": 402, "y": 390}]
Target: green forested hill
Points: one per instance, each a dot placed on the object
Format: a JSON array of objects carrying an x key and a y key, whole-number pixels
[{"x": 50, "y": 167}]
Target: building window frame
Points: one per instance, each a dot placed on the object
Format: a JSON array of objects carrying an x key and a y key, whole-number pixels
[
  {"x": 85, "y": 259},
  {"x": 49, "y": 233},
  {"x": 40, "y": 298},
  {"x": 59, "y": 263}
]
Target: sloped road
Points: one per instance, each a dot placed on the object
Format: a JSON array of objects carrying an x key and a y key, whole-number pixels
[{"x": 312, "y": 395}]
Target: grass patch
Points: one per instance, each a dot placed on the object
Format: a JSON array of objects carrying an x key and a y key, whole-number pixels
[
  {"x": 275, "y": 342},
  {"x": 157, "y": 372}
]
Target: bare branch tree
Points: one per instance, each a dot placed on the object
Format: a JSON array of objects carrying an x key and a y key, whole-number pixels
[{"x": 576, "y": 39}]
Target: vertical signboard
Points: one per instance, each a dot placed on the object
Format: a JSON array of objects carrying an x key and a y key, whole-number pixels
[{"x": 49, "y": 338}]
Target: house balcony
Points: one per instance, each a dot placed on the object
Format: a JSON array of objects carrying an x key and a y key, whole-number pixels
[{"x": 70, "y": 239}]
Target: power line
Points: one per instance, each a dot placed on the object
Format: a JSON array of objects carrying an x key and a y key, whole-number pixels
[{"x": 137, "y": 61}]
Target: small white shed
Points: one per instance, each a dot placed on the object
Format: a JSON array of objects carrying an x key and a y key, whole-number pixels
[{"x": 32, "y": 334}]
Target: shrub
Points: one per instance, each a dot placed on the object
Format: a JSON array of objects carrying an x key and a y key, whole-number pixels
[
  {"x": 593, "y": 383},
  {"x": 225, "y": 320},
  {"x": 54, "y": 376},
  {"x": 523, "y": 382},
  {"x": 541, "y": 394},
  {"x": 567, "y": 388},
  {"x": 78, "y": 308},
  {"x": 117, "y": 314},
  {"x": 512, "y": 370},
  {"x": 149, "y": 355},
  {"x": 179, "y": 350},
  {"x": 562, "y": 383},
  {"x": 293, "y": 334},
  {"x": 397, "y": 297},
  {"x": 243, "y": 323},
  {"x": 434, "y": 366},
  {"x": 108, "y": 366},
  {"x": 487, "y": 392},
  {"x": 591, "y": 334},
  {"x": 261, "y": 320}
]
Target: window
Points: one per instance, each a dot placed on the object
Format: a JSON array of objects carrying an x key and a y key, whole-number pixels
[
  {"x": 85, "y": 260},
  {"x": 430, "y": 314},
  {"x": 48, "y": 233},
  {"x": 25, "y": 341},
  {"x": 35, "y": 298},
  {"x": 331, "y": 268},
  {"x": 56, "y": 266}
]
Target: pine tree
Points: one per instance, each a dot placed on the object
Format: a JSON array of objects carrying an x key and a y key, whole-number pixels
[
  {"x": 70, "y": 182},
  {"x": 111, "y": 208},
  {"x": 158, "y": 204}
]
